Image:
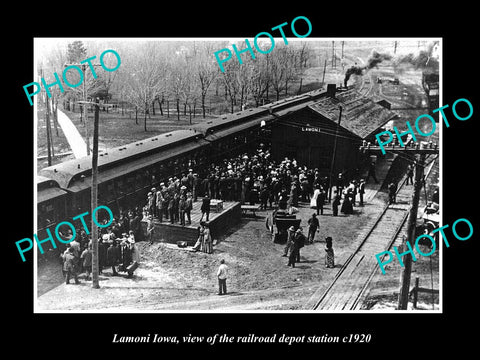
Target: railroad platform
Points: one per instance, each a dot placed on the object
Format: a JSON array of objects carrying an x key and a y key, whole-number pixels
[
  {"x": 351, "y": 284},
  {"x": 382, "y": 168},
  {"x": 218, "y": 222}
]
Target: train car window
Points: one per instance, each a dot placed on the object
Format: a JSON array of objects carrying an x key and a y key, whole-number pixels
[
  {"x": 130, "y": 184},
  {"x": 85, "y": 197},
  {"x": 111, "y": 188},
  {"x": 46, "y": 215},
  {"x": 139, "y": 180}
]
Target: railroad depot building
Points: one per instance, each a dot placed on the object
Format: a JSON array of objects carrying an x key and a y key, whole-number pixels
[{"x": 309, "y": 133}]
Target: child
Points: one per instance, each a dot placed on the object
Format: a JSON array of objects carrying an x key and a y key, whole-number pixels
[{"x": 329, "y": 258}]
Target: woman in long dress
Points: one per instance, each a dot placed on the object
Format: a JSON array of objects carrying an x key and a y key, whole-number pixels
[
  {"x": 208, "y": 248},
  {"x": 329, "y": 257},
  {"x": 200, "y": 244},
  {"x": 313, "y": 200},
  {"x": 347, "y": 207}
]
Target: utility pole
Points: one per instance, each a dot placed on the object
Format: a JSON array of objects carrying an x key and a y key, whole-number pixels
[
  {"x": 412, "y": 219},
  {"x": 85, "y": 112},
  {"x": 419, "y": 151},
  {"x": 94, "y": 192},
  {"x": 332, "y": 164},
  {"x": 47, "y": 120},
  {"x": 94, "y": 230},
  {"x": 47, "y": 125},
  {"x": 333, "y": 55},
  {"x": 324, "y": 68}
]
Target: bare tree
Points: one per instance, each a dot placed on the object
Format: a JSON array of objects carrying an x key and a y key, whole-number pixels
[
  {"x": 277, "y": 71},
  {"x": 260, "y": 80},
  {"x": 206, "y": 71},
  {"x": 143, "y": 79}
]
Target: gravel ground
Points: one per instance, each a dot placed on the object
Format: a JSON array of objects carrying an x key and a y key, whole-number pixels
[{"x": 170, "y": 278}]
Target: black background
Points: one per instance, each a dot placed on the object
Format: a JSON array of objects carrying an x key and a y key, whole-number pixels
[{"x": 408, "y": 334}]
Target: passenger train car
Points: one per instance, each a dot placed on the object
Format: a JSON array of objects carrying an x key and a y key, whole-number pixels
[{"x": 126, "y": 173}]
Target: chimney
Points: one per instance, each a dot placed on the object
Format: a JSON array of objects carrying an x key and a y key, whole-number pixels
[{"x": 331, "y": 89}]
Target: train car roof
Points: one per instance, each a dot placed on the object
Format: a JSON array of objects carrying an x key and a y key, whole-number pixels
[
  {"x": 47, "y": 189},
  {"x": 229, "y": 120},
  {"x": 65, "y": 172},
  {"x": 231, "y": 123}
]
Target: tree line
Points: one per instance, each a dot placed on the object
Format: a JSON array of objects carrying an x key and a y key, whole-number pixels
[{"x": 179, "y": 74}]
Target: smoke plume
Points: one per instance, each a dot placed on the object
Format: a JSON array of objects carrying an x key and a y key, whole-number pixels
[
  {"x": 373, "y": 60},
  {"x": 424, "y": 59}
]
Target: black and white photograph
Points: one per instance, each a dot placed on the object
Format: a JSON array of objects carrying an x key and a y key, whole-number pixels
[
  {"x": 211, "y": 179},
  {"x": 235, "y": 175}
]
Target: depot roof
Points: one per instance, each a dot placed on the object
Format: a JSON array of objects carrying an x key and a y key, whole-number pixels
[{"x": 360, "y": 115}]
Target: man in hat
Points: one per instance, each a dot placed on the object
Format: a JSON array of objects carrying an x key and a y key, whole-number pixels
[
  {"x": 222, "y": 278},
  {"x": 102, "y": 255},
  {"x": 150, "y": 203},
  {"x": 176, "y": 207},
  {"x": 392, "y": 193},
  {"x": 86, "y": 259},
  {"x": 340, "y": 184},
  {"x": 294, "y": 255},
  {"x": 189, "y": 207},
  {"x": 205, "y": 208},
  {"x": 183, "y": 191},
  {"x": 264, "y": 198},
  {"x": 361, "y": 190},
  {"x": 113, "y": 256},
  {"x": 288, "y": 245},
  {"x": 320, "y": 200},
  {"x": 165, "y": 201},
  {"x": 195, "y": 182},
  {"x": 154, "y": 201},
  {"x": 150, "y": 229},
  {"x": 70, "y": 266},
  {"x": 159, "y": 203},
  {"x": 299, "y": 242},
  {"x": 182, "y": 206},
  {"x": 135, "y": 258},
  {"x": 171, "y": 208},
  {"x": 410, "y": 170},
  {"x": 190, "y": 179},
  {"x": 313, "y": 226}
]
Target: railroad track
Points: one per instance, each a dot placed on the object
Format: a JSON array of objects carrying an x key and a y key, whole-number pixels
[{"x": 346, "y": 290}]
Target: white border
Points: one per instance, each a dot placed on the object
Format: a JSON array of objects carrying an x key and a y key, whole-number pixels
[{"x": 106, "y": 311}]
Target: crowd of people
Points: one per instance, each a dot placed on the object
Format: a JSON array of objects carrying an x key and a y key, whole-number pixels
[
  {"x": 117, "y": 248},
  {"x": 253, "y": 178}
]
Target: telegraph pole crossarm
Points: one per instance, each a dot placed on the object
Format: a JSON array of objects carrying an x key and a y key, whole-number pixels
[{"x": 412, "y": 148}]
